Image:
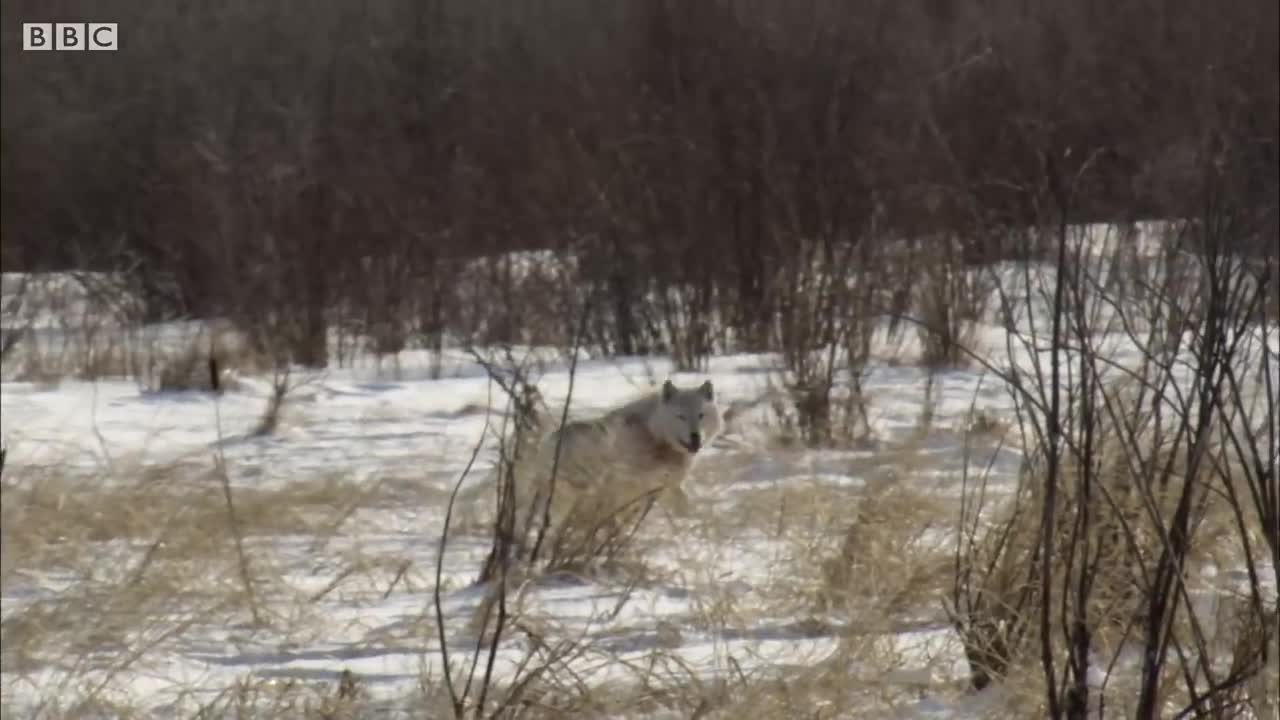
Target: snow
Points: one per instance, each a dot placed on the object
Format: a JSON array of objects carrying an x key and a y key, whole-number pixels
[
  {"x": 369, "y": 427},
  {"x": 412, "y": 425}
]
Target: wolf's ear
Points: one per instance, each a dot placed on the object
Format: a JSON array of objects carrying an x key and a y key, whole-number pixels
[
  {"x": 668, "y": 391},
  {"x": 706, "y": 391}
]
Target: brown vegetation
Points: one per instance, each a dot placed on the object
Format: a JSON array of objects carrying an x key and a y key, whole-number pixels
[
  {"x": 695, "y": 178},
  {"x": 307, "y": 170}
]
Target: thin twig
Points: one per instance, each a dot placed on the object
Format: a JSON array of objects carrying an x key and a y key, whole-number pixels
[{"x": 455, "y": 700}]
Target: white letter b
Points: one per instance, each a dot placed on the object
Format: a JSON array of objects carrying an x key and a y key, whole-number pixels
[
  {"x": 68, "y": 36},
  {"x": 37, "y": 36}
]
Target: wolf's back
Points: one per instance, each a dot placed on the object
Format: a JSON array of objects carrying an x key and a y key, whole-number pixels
[{"x": 578, "y": 453}]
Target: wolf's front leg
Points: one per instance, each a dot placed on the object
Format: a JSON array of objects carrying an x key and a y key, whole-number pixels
[{"x": 676, "y": 502}]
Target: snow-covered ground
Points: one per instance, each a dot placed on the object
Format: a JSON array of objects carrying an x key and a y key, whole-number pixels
[
  {"x": 371, "y": 429},
  {"x": 344, "y": 503}
]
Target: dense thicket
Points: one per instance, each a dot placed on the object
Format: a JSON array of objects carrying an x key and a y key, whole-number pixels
[{"x": 320, "y": 158}]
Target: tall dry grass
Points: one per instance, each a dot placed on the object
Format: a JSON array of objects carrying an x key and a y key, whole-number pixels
[{"x": 112, "y": 575}]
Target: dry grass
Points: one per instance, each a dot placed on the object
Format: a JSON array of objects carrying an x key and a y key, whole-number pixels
[
  {"x": 843, "y": 567},
  {"x": 848, "y": 567},
  {"x": 138, "y": 562},
  {"x": 121, "y": 570},
  {"x": 1127, "y": 513},
  {"x": 50, "y": 517}
]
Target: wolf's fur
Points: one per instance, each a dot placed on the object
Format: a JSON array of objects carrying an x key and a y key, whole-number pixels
[{"x": 605, "y": 465}]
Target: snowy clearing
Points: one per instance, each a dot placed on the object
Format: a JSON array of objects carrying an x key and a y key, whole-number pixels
[{"x": 196, "y": 564}]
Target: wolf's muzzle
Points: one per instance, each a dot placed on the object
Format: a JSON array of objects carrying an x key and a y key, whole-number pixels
[{"x": 695, "y": 442}]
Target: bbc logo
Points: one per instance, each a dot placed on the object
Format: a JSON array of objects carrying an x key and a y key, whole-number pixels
[{"x": 69, "y": 36}]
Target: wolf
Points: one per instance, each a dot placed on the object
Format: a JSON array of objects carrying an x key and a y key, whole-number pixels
[{"x": 606, "y": 466}]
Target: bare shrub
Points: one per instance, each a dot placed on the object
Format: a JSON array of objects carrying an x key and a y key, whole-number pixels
[
  {"x": 515, "y": 557},
  {"x": 517, "y": 298},
  {"x": 207, "y": 357},
  {"x": 13, "y": 298},
  {"x": 1125, "y": 491},
  {"x": 519, "y": 438},
  {"x": 951, "y": 299},
  {"x": 824, "y": 326},
  {"x": 281, "y": 386},
  {"x": 69, "y": 325}
]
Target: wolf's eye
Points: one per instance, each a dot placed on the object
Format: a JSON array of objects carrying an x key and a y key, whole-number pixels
[
  {"x": 702, "y": 416},
  {"x": 681, "y": 417}
]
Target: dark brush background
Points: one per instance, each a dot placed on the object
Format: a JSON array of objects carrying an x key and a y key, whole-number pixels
[{"x": 245, "y": 154}]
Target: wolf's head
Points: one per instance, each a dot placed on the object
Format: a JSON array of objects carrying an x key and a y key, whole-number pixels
[{"x": 687, "y": 419}]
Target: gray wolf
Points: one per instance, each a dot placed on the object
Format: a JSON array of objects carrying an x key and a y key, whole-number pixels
[{"x": 607, "y": 465}]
